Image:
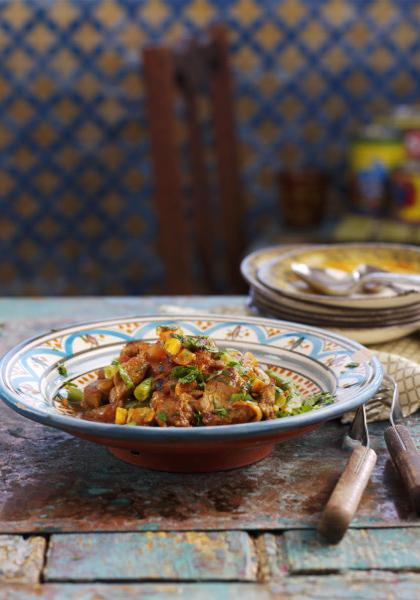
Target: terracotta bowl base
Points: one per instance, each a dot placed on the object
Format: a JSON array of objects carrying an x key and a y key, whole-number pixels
[{"x": 203, "y": 462}]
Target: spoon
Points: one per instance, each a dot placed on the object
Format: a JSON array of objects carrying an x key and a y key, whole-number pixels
[{"x": 339, "y": 283}]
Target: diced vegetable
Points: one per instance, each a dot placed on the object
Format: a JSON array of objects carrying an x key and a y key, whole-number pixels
[
  {"x": 162, "y": 416},
  {"x": 241, "y": 396},
  {"x": 125, "y": 377},
  {"x": 257, "y": 385},
  {"x": 62, "y": 370},
  {"x": 74, "y": 395},
  {"x": 141, "y": 416},
  {"x": 279, "y": 381},
  {"x": 281, "y": 398},
  {"x": 144, "y": 390},
  {"x": 165, "y": 332},
  {"x": 121, "y": 415},
  {"x": 221, "y": 411},
  {"x": 250, "y": 360},
  {"x": 185, "y": 357},
  {"x": 110, "y": 371},
  {"x": 187, "y": 374},
  {"x": 172, "y": 345},
  {"x": 201, "y": 342}
]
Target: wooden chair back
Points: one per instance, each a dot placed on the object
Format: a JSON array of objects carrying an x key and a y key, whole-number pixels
[{"x": 199, "y": 226}]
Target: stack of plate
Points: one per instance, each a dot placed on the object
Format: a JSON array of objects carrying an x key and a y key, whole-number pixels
[{"x": 368, "y": 317}]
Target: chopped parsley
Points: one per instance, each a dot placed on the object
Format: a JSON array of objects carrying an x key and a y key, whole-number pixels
[
  {"x": 238, "y": 366},
  {"x": 217, "y": 373},
  {"x": 187, "y": 374},
  {"x": 351, "y": 365},
  {"x": 162, "y": 416},
  {"x": 221, "y": 411},
  {"x": 198, "y": 418},
  {"x": 309, "y": 403},
  {"x": 195, "y": 343},
  {"x": 62, "y": 370}
]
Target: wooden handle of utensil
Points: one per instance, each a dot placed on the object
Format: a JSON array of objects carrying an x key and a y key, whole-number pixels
[
  {"x": 406, "y": 461},
  {"x": 344, "y": 500}
]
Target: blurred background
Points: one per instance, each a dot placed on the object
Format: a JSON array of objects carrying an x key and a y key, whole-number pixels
[{"x": 327, "y": 130}]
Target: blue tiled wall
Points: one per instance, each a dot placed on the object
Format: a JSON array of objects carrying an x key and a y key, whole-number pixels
[{"x": 75, "y": 190}]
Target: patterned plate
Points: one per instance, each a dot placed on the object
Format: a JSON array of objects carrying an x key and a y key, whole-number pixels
[
  {"x": 252, "y": 263},
  {"x": 277, "y": 275},
  {"x": 316, "y": 359}
]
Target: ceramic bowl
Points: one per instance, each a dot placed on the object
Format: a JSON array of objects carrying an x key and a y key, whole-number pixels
[
  {"x": 276, "y": 273},
  {"x": 315, "y": 359}
]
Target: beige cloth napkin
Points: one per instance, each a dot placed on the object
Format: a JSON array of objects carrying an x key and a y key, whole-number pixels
[
  {"x": 407, "y": 375},
  {"x": 400, "y": 359}
]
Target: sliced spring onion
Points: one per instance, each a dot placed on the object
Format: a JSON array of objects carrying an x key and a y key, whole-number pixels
[
  {"x": 74, "y": 395},
  {"x": 279, "y": 381},
  {"x": 242, "y": 396},
  {"x": 143, "y": 390},
  {"x": 125, "y": 377},
  {"x": 110, "y": 371}
]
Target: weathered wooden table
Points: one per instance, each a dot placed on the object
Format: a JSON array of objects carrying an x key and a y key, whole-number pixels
[{"x": 77, "y": 523}]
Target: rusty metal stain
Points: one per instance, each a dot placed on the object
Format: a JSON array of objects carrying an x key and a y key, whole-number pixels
[
  {"x": 54, "y": 482},
  {"x": 184, "y": 556},
  {"x": 21, "y": 560}
]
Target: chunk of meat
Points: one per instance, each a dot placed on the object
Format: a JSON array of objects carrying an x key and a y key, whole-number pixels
[
  {"x": 136, "y": 369},
  {"x": 237, "y": 412},
  {"x": 268, "y": 401},
  {"x": 133, "y": 349},
  {"x": 215, "y": 404},
  {"x": 92, "y": 396},
  {"x": 217, "y": 395},
  {"x": 156, "y": 353},
  {"x": 120, "y": 392},
  {"x": 105, "y": 414},
  {"x": 172, "y": 411},
  {"x": 105, "y": 385}
]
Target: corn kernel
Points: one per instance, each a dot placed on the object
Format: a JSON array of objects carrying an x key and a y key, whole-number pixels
[
  {"x": 121, "y": 416},
  {"x": 172, "y": 345}
]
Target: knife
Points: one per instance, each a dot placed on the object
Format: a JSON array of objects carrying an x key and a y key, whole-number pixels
[
  {"x": 403, "y": 451},
  {"x": 345, "y": 498}
]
